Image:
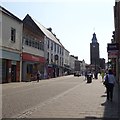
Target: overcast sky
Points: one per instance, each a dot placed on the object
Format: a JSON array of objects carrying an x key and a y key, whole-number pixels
[{"x": 73, "y": 21}]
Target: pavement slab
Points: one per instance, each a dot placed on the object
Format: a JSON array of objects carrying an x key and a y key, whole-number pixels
[{"x": 82, "y": 101}]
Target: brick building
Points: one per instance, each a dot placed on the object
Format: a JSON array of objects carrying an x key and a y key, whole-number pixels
[{"x": 116, "y": 34}]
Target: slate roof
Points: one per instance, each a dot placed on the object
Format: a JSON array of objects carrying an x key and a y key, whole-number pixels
[{"x": 46, "y": 32}]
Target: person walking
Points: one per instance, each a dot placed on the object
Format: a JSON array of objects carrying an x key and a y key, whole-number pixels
[
  {"x": 102, "y": 75},
  {"x": 38, "y": 75},
  {"x": 109, "y": 83},
  {"x": 86, "y": 73}
]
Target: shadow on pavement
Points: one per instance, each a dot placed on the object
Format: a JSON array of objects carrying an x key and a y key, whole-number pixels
[{"x": 111, "y": 110}]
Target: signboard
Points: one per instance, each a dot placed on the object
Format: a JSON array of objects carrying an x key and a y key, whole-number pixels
[
  {"x": 112, "y": 47},
  {"x": 29, "y": 57},
  {"x": 112, "y": 54}
]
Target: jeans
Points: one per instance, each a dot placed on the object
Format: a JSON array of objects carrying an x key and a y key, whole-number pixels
[{"x": 110, "y": 91}]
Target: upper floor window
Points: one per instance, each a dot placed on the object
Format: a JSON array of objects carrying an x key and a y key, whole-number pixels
[
  {"x": 26, "y": 41},
  {"x": 62, "y": 51},
  {"x": 54, "y": 47},
  {"x": 51, "y": 45},
  {"x": 48, "y": 44},
  {"x": 32, "y": 42},
  {"x": 58, "y": 49},
  {"x": 13, "y": 34}
]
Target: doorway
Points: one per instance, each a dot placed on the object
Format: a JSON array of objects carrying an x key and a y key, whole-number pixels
[{"x": 13, "y": 73}]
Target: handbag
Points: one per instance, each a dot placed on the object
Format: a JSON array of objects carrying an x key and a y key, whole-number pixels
[{"x": 106, "y": 82}]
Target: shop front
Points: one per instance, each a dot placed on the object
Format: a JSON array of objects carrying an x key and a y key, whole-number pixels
[
  {"x": 30, "y": 65},
  {"x": 10, "y": 66}
]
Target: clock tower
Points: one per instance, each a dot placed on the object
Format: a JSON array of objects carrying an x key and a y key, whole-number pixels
[{"x": 94, "y": 51}]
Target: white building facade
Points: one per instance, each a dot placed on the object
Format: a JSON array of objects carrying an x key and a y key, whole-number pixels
[
  {"x": 72, "y": 63},
  {"x": 66, "y": 61},
  {"x": 53, "y": 53},
  {"x": 10, "y": 46}
]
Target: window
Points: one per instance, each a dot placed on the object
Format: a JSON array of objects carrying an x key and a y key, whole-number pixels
[
  {"x": 42, "y": 46},
  {"x": 48, "y": 43},
  {"x": 36, "y": 44},
  {"x": 62, "y": 51},
  {"x": 51, "y": 45},
  {"x": 58, "y": 49},
  {"x": 51, "y": 57},
  {"x": 13, "y": 33},
  {"x": 33, "y": 43},
  {"x": 54, "y": 47},
  {"x": 26, "y": 41},
  {"x": 29, "y": 42},
  {"x": 48, "y": 57},
  {"x": 29, "y": 68}
]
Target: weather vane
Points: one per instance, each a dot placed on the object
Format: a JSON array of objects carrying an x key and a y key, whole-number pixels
[{"x": 94, "y": 29}]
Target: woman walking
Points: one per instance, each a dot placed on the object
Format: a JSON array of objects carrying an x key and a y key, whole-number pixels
[
  {"x": 38, "y": 75},
  {"x": 109, "y": 83}
]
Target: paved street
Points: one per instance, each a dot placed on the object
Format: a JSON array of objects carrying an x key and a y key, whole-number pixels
[{"x": 63, "y": 97}]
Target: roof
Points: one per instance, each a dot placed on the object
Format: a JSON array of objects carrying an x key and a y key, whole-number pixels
[
  {"x": 9, "y": 14},
  {"x": 47, "y": 32},
  {"x": 94, "y": 39},
  {"x": 117, "y": 0}
]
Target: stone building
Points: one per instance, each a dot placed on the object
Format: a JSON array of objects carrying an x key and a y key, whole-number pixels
[
  {"x": 116, "y": 35},
  {"x": 94, "y": 52}
]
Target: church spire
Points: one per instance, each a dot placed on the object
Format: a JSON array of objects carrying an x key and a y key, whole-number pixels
[{"x": 94, "y": 39}]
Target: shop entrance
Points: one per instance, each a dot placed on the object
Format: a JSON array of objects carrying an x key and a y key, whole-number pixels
[{"x": 13, "y": 73}]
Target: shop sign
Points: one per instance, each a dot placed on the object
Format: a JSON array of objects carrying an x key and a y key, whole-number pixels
[
  {"x": 34, "y": 58},
  {"x": 29, "y": 57},
  {"x": 112, "y": 47},
  {"x": 112, "y": 54}
]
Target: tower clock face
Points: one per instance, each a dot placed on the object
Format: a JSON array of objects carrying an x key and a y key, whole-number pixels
[{"x": 93, "y": 45}]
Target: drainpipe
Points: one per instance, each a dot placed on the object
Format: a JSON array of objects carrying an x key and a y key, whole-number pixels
[{"x": 21, "y": 50}]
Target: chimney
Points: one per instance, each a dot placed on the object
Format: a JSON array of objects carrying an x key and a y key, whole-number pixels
[{"x": 50, "y": 29}]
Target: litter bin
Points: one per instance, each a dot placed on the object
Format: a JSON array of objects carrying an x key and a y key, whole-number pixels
[{"x": 89, "y": 78}]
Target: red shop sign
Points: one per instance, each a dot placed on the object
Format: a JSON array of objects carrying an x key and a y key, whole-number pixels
[{"x": 29, "y": 57}]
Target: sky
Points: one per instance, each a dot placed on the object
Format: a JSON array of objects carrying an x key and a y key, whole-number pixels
[{"x": 73, "y": 21}]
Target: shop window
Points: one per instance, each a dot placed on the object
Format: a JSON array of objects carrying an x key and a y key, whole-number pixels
[{"x": 29, "y": 68}]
